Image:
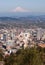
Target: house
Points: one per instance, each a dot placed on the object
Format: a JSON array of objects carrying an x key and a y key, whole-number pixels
[{"x": 41, "y": 45}]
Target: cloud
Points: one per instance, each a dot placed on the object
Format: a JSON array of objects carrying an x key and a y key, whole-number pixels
[{"x": 20, "y": 9}]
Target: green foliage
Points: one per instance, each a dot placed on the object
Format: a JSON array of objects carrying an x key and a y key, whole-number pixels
[
  {"x": 28, "y": 56},
  {"x": 10, "y": 60},
  {"x": 1, "y": 55}
]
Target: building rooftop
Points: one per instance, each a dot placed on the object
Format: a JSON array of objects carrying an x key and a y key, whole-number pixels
[{"x": 41, "y": 45}]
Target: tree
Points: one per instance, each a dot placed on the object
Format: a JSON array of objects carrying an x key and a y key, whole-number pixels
[{"x": 1, "y": 55}]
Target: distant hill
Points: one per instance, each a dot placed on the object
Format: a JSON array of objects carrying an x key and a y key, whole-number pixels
[{"x": 23, "y": 21}]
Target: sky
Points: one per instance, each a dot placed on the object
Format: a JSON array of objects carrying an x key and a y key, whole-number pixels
[{"x": 22, "y": 5}]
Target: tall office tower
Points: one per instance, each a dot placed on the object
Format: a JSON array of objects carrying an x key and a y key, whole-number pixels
[
  {"x": 39, "y": 33},
  {"x": 4, "y": 36}
]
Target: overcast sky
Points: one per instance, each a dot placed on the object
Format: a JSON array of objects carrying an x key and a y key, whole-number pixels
[{"x": 22, "y": 6}]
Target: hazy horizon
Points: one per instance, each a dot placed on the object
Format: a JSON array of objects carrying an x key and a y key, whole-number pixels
[
  {"x": 22, "y": 7},
  {"x": 20, "y": 14}
]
